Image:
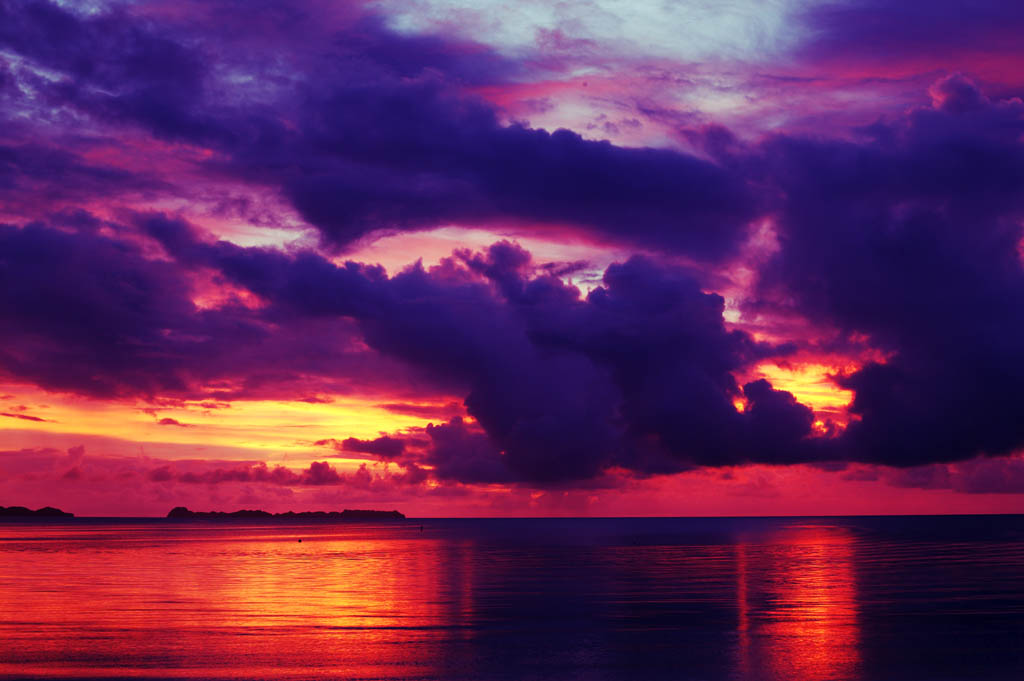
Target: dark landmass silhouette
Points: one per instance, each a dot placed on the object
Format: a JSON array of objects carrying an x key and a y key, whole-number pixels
[
  {"x": 44, "y": 512},
  {"x": 182, "y": 513}
]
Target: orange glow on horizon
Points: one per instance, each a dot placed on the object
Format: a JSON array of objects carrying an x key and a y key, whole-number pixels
[{"x": 270, "y": 430}]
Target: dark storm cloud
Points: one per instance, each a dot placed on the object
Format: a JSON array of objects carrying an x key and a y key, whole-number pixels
[
  {"x": 113, "y": 66},
  {"x": 912, "y": 236},
  {"x": 35, "y": 177},
  {"x": 373, "y": 132},
  {"x": 91, "y": 314},
  {"x": 384, "y": 446},
  {"x": 636, "y": 375},
  {"x": 464, "y": 454},
  {"x": 84, "y": 312},
  {"x": 21, "y": 166},
  {"x": 453, "y": 162}
]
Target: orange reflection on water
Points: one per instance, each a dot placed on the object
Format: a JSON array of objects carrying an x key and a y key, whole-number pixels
[
  {"x": 797, "y": 606},
  {"x": 239, "y": 602}
]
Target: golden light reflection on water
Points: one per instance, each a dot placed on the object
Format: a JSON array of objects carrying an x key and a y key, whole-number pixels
[
  {"x": 796, "y": 602},
  {"x": 225, "y": 602}
]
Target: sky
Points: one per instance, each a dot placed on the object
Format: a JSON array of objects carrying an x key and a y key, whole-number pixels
[{"x": 580, "y": 258}]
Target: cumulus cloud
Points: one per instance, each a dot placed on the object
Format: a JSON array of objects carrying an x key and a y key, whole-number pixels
[
  {"x": 426, "y": 152},
  {"x": 117, "y": 323},
  {"x": 173, "y": 422},
  {"x": 638, "y": 374},
  {"x": 911, "y": 238},
  {"x": 384, "y": 446}
]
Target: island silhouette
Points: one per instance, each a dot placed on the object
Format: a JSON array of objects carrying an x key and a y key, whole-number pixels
[
  {"x": 44, "y": 512},
  {"x": 182, "y": 513}
]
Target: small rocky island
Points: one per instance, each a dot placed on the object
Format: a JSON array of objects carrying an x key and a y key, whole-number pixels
[
  {"x": 182, "y": 513},
  {"x": 44, "y": 512}
]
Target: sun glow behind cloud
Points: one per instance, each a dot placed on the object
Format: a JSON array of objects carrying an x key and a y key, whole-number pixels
[{"x": 812, "y": 384}]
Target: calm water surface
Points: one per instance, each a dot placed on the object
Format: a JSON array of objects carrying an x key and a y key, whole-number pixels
[{"x": 799, "y": 599}]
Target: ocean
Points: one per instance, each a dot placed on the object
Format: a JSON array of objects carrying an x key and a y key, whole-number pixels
[{"x": 924, "y": 598}]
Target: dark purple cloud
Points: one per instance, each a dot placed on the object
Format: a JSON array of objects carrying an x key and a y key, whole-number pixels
[
  {"x": 372, "y": 133},
  {"x": 83, "y": 312},
  {"x": 384, "y": 446},
  {"x": 911, "y": 236},
  {"x": 33, "y": 173},
  {"x": 452, "y": 162},
  {"x": 460, "y": 453},
  {"x": 93, "y": 314},
  {"x": 113, "y": 66},
  {"x": 173, "y": 422},
  {"x": 638, "y": 374}
]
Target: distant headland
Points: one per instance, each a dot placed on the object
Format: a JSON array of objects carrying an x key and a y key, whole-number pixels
[
  {"x": 44, "y": 512},
  {"x": 182, "y": 513}
]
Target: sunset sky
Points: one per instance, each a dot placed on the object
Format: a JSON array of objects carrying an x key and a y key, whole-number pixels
[{"x": 454, "y": 257}]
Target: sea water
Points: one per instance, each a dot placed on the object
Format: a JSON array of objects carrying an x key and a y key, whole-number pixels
[{"x": 795, "y": 599}]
